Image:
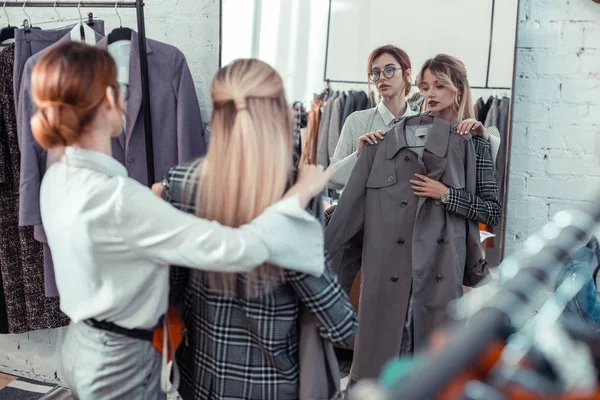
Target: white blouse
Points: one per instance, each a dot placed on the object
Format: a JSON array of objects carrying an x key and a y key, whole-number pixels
[{"x": 112, "y": 241}]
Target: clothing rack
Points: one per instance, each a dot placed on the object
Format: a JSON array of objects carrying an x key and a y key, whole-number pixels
[
  {"x": 487, "y": 75},
  {"x": 139, "y": 7}
]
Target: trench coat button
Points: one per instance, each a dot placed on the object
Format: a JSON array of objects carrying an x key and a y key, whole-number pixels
[
  {"x": 394, "y": 278},
  {"x": 439, "y": 277},
  {"x": 130, "y": 159},
  {"x": 407, "y": 159},
  {"x": 401, "y": 241},
  {"x": 440, "y": 240},
  {"x": 391, "y": 178},
  {"x": 403, "y": 203}
]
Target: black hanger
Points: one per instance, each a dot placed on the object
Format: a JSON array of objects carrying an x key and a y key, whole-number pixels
[
  {"x": 7, "y": 33},
  {"x": 119, "y": 34},
  {"x": 90, "y": 21}
]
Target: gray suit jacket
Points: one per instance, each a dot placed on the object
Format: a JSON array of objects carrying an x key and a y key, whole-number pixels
[{"x": 176, "y": 123}]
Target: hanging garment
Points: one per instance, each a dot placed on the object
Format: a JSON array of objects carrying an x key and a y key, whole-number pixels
[
  {"x": 178, "y": 136},
  {"x": 493, "y": 115},
  {"x": 409, "y": 241},
  {"x": 21, "y": 259},
  {"x": 335, "y": 124},
  {"x": 309, "y": 152},
  {"x": 358, "y": 124},
  {"x": 31, "y": 41},
  {"x": 477, "y": 108},
  {"x": 299, "y": 121},
  {"x": 485, "y": 109},
  {"x": 29, "y": 205},
  {"x": 349, "y": 106},
  {"x": 323, "y": 138},
  {"x": 503, "y": 127}
]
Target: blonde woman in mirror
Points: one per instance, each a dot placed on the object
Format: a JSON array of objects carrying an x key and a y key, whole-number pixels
[{"x": 445, "y": 87}]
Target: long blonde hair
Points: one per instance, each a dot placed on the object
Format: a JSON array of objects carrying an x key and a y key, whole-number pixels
[
  {"x": 249, "y": 161},
  {"x": 450, "y": 72}
]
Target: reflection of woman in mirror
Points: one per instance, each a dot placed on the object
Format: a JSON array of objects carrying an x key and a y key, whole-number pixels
[
  {"x": 443, "y": 82},
  {"x": 417, "y": 196},
  {"x": 245, "y": 328},
  {"x": 389, "y": 68}
]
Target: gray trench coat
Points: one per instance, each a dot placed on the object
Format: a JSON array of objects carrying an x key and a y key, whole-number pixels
[{"x": 408, "y": 241}]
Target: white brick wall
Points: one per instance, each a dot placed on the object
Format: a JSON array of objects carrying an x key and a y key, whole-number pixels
[{"x": 555, "y": 139}]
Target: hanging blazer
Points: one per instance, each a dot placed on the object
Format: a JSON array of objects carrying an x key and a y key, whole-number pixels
[
  {"x": 431, "y": 258},
  {"x": 177, "y": 128},
  {"x": 31, "y": 41}
]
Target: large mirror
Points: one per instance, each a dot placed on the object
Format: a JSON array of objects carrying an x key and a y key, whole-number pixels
[{"x": 322, "y": 51}]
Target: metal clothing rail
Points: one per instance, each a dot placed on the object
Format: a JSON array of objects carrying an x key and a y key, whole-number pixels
[
  {"x": 139, "y": 7},
  {"x": 82, "y": 4},
  {"x": 487, "y": 75},
  {"x": 365, "y": 83}
]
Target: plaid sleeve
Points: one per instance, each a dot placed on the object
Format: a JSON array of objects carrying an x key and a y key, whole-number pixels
[
  {"x": 172, "y": 193},
  {"x": 483, "y": 206},
  {"x": 326, "y": 299}
]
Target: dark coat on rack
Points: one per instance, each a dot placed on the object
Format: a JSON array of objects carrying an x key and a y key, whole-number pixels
[
  {"x": 435, "y": 254},
  {"x": 178, "y": 135},
  {"x": 21, "y": 260}
]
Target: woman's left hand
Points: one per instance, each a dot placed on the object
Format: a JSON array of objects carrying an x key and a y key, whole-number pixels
[
  {"x": 472, "y": 126},
  {"x": 427, "y": 187}
]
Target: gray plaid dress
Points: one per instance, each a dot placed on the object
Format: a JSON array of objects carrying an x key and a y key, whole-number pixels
[{"x": 247, "y": 348}]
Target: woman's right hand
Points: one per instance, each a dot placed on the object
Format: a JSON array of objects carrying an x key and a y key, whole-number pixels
[
  {"x": 312, "y": 179},
  {"x": 369, "y": 138}
]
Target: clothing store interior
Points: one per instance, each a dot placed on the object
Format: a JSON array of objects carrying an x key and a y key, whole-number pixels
[{"x": 403, "y": 202}]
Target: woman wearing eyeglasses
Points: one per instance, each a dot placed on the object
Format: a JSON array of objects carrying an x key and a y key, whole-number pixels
[{"x": 389, "y": 69}]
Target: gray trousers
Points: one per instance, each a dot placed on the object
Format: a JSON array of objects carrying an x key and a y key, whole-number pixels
[{"x": 101, "y": 365}]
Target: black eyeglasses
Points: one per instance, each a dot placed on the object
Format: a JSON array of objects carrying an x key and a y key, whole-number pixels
[{"x": 388, "y": 72}]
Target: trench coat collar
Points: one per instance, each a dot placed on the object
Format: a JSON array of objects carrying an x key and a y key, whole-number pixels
[
  {"x": 134, "y": 103},
  {"x": 437, "y": 142}
]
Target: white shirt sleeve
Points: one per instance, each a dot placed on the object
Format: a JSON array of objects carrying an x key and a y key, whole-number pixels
[
  {"x": 284, "y": 235},
  {"x": 344, "y": 157},
  {"x": 495, "y": 141}
]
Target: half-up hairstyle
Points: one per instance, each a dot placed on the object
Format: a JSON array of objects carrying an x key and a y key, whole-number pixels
[
  {"x": 249, "y": 160},
  {"x": 450, "y": 72},
  {"x": 69, "y": 85}
]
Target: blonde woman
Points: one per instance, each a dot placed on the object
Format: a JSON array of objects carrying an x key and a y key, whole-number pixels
[
  {"x": 243, "y": 341},
  {"x": 445, "y": 87}
]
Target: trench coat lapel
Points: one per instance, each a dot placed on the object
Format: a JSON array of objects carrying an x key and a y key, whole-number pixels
[{"x": 436, "y": 147}]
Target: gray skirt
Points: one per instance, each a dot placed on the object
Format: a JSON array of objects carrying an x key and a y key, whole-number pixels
[{"x": 101, "y": 365}]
